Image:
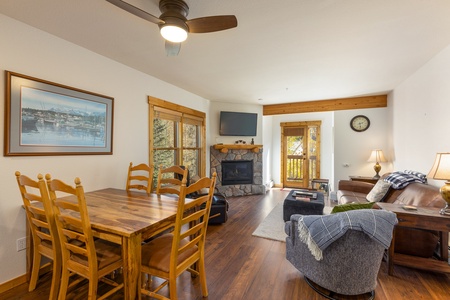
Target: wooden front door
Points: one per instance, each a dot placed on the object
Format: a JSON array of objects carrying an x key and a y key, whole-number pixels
[{"x": 300, "y": 143}]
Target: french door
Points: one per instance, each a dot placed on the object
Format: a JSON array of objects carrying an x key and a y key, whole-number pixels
[{"x": 300, "y": 148}]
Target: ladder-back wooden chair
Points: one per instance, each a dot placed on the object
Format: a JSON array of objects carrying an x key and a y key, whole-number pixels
[
  {"x": 171, "y": 254},
  {"x": 170, "y": 179},
  {"x": 81, "y": 254},
  {"x": 43, "y": 229},
  {"x": 140, "y": 177}
]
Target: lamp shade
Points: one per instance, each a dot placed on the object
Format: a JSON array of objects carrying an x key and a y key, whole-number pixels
[
  {"x": 377, "y": 156},
  {"x": 441, "y": 167}
]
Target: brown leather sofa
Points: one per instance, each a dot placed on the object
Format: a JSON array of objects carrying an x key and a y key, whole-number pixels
[{"x": 409, "y": 241}]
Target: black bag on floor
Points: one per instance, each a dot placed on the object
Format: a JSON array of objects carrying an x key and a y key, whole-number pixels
[{"x": 219, "y": 209}]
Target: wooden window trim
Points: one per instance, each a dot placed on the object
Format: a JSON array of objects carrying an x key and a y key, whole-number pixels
[{"x": 192, "y": 116}]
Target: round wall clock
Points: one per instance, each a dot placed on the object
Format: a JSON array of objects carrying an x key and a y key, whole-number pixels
[{"x": 360, "y": 123}]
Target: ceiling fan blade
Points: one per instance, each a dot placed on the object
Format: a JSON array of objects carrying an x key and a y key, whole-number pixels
[
  {"x": 172, "y": 49},
  {"x": 211, "y": 24},
  {"x": 136, "y": 11}
]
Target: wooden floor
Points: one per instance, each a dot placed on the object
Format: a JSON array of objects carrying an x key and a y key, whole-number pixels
[{"x": 240, "y": 266}]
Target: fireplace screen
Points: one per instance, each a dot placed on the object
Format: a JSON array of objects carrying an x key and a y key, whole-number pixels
[{"x": 237, "y": 172}]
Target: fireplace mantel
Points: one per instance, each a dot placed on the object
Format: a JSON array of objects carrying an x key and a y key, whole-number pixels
[{"x": 225, "y": 147}]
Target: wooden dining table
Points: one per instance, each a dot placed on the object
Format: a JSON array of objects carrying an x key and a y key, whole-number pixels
[{"x": 128, "y": 218}]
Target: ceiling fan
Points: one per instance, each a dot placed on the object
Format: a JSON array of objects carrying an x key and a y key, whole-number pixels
[{"x": 173, "y": 23}]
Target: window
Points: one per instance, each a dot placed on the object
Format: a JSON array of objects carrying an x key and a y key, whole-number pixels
[{"x": 177, "y": 136}]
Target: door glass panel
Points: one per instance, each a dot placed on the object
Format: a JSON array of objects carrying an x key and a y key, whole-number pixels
[
  {"x": 312, "y": 152},
  {"x": 294, "y": 168},
  {"x": 301, "y": 153}
]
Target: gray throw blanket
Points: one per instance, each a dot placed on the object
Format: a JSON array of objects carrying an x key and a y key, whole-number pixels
[{"x": 318, "y": 232}]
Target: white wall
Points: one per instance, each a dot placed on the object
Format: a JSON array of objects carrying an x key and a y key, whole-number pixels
[
  {"x": 214, "y": 113},
  {"x": 354, "y": 148},
  {"x": 29, "y": 51},
  {"x": 268, "y": 150},
  {"x": 326, "y": 146},
  {"x": 420, "y": 115}
]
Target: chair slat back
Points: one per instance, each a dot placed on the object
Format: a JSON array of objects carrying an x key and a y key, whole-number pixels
[
  {"x": 44, "y": 233},
  {"x": 140, "y": 177},
  {"x": 38, "y": 209},
  {"x": 170, "y": 179},
  {"x": 191, "y": 222},
  {"x": 73, "y": 224}
]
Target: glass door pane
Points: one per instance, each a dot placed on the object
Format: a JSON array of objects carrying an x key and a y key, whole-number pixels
[
  {"x": 295, "y": 153},
  {"x": 313, "y": 157}
]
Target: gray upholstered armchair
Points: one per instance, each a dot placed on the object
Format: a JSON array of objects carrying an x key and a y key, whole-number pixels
[{"x": 342, "y": 252}]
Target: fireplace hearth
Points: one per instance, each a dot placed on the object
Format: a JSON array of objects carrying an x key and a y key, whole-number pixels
[{"x": 237, "y": 172}]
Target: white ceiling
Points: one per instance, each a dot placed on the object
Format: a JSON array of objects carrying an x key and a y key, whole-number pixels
[{"x": 282, "y": 51}]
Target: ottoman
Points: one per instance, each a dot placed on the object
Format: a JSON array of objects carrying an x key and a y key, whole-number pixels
[{"x": 292, "y": 206}]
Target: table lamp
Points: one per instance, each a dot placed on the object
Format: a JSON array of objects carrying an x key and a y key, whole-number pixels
[
  {"x": 377, "y": 156},
  {"x": 441, "y": 171}
]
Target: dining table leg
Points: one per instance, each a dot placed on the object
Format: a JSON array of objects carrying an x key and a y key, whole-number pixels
[{"x": 132, "y": 265}]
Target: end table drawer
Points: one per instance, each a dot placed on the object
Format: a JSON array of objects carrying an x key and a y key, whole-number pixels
[
  {"x": 407, "y": 220},
  {"x": 423, "y": 222}
]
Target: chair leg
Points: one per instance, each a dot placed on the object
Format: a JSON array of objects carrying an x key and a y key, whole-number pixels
[
  {"x": 35, "y": 270},
  {"x": 64, "y": 284},
  {"x": 202, "y": 275},
  {"x": 56, "y": 279},
  {"x": 93, "y": 284},
  {"x": 173, "y": 287}
]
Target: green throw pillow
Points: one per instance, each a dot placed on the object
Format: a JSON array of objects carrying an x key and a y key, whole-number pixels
[{"x": 352, "y": 206}]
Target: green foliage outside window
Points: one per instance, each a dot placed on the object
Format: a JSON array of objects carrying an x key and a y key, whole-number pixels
[{"x": 168, "y": 144}]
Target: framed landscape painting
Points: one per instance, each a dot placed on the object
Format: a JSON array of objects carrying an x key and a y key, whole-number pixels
[{"x": 46, "y": 118}]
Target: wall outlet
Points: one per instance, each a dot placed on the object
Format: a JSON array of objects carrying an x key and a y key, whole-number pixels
[{"x": 21, "y": 244}]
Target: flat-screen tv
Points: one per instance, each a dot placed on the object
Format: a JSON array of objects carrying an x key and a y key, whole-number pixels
[{"x": 238, "y": 123}]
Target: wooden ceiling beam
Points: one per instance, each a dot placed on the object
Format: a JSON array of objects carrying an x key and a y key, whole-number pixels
[{"x": 326, "y": 105}]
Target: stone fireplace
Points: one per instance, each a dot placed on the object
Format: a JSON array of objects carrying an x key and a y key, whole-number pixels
[
  {"x": 237, "y": 172},
  {"x": 238, "y": 168}
]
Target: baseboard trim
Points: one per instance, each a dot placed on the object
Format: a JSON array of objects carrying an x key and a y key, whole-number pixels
[
  {"x": 13, "y": 283},
  {"x": 23, "y": 278}
]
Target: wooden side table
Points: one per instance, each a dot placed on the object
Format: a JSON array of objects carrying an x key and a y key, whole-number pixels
[
  {"x": 423, "y": 218},
  {"x": 321, "y": 182},
  {"x": 363, "y": 179}
]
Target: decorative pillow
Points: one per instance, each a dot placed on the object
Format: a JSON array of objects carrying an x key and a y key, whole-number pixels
[
  {"x": 352, "y": 206},
  {"x": 379, "y": 191}
]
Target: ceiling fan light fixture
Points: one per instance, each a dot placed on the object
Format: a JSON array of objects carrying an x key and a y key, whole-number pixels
[
  {"x": 173, "y": 23},
  {"x": 173, "y": 33}
]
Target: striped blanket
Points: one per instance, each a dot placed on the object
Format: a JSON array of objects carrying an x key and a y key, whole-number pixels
[
  {"x": 400, "y": 180},
  {"x": 319, "y": 231}
]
